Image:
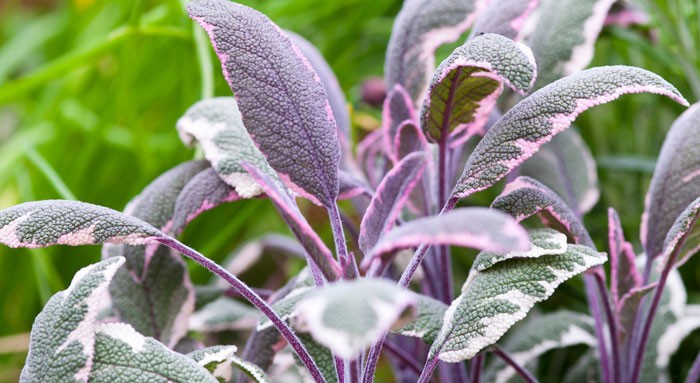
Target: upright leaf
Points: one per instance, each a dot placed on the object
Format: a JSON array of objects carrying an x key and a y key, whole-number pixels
[
  {"x": 419, "y": 29},
  {"x": 505, "y": 17},
  {"x": 684, "y": 236},
  {"x": 496, "y": 298},
  {"x": 534, "y": 121},
  {"x": 387, "y": 202},
  {"x": 281, "y": 98},
  {"x": 467, "y": 84},
  {"x": 409, "y": 139},
  {"x": 675, "y": 183},
  {"x": 624, "y": 276},
  {"x": 398, "y": 109}
]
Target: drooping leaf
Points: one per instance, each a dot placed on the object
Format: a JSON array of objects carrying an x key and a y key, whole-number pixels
[
  {"x": 428, "y": 321},
  {"x": 684, "y": 236},
  {"x": 349, "y": 316},
  {"x": 544, "y": 242},
  {"x": 525, "y": 197},
  {"x": 220, "y": 361},
  {"x": 565, "y": 35},
  {"x": 675, "y": 183},
  {"x": 389, "y": 199},
  {"x": 534, "y": 121},
  {"x": 505, "y": 17},
  {"x": 467, "y": 84},
  {"x": 223, "y": 314},
  {"x": 419, "y": 29},
  {"x": 397, "y": 110},
  {"x": 217, "y": 126},
  {"x": 281, "y": 98},
  {"x": 479, "y": 228},
  {"x": 540, "y": 334},
  {"x": 409, "y": 139},
  {"x": 624, "y": 276},
  {"x": 496, "y": 298},
  {"x": 566, "y": 166}
]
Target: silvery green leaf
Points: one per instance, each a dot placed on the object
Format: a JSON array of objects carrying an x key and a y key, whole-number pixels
[
  {"x": 675, "y": 183},
  {"x": 220, "y": 361},
  {"x": 540, "y": 334},
  {"x": 322, "y": 356},
  {"x": 496, "y": 298},
  {"x": 533, "y": 122},
  {"x": 348, "y": 316},
  {"x": 543, "y": 241},
  {"x": 216, "y": 125},
  {"x": 223, "y": 314},
  {"x": 505, "y": 17},
  {"x": 566, "y": 166},
  {"x": 285, "y": 307},
  {"x": 428, "y": 320}
]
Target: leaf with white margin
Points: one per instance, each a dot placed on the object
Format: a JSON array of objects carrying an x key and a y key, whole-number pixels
[
  {"x": 466, "y": 85},
  {"x": 496, "y": 298},
  {"x": 397, "y": 110},
  {"x": 223, "y": 314},
  {"x": 62, "y": 341},
  {"x": 216, "y": 125},
  {"x": 540, "y": 334},
  {"x": 220, "y": 360},
  {"x": 153, "y": 291},
  {"x": 390, "y": 197},
  {"x": 281, "y": 98},
  {"x": 565, "y": 35},
  {"x": 683, "y": 238},
  {"x": 534, "y": 121},
  {"x": 428, "y": 321},
  {"x": 286, "y": 306},
  {"x": 525, "y": 197},
  {"x": 505, "y": 17},
  {"x": 675, "y": 183},
  {"x": 72, "y": 223},
  {"x": 544, "y": 242},
  {"x": 566, "y": 166},
  {"x": 348, "y": 316},
  {"x": 420, "y": 28},
  {"x": 124, "y": 355}
]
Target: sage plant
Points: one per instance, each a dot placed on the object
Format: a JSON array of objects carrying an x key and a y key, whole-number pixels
[{"x": 446, "y": 134}]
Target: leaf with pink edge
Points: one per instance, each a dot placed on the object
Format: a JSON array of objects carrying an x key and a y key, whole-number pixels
[
  {"x": 282, "y": 101},
  {"x": 389, "y": 199},
  {"x": 628, "y": 307},
  {"x": 398, "y": 109},
  {"x": 624, "y": 276},
  {"x": 525, "y": 197},
  {"x": 534, "y": 121},
  {"x": 675, "y": 183},
  {"x": 419, "y": 29},
  {"x": 683, "y": 239},
  {"x": 409, "y": 139},
  {"x": 350, "y": 186},
  {"x": 466, "y": 86},
  {"x": 505, "y": 17}
]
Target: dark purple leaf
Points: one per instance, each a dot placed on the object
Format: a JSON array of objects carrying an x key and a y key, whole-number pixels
[
  {"x": 409, "y": 139},
  {"x": 684, "y": 236},
  {"x": 624, "y": 275},
  {"x": 281, "y": 98},
  {"x": 351, "y": 187},
  {"x": 505, "y": 17},
  {"x": 398, "y": 108}
]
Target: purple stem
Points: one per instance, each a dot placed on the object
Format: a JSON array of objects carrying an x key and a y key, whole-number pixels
[
  {"x": 427, "y": 372},
  {"x": 612, "y": 326},
  {"x": 352, "y": 366},
  {"x": 694, "y": 373},
  {"x": 475, "y": 366},
  {"x": 340, "y": 369},
  {"x": 263, "y": 293},
  {"x": 402, "y": 356},
  {"x": 594, "y": 306},
  {"x": 522, "y": 371},
  {"x": 250, "y": 295},
  {"x": 338, "y": 233}
]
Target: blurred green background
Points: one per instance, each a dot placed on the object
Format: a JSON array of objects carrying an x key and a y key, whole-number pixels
[{"x": 90, "y": 92}]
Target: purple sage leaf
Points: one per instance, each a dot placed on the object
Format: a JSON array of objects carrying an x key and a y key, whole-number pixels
[
  {"x": 391, "y": 195},
  {"x": 505, "y": 17},
  {"x": 628, "y": 307},
  {"x": 398, "y": 108},
  {"x": 624, "y": 276},
  {"x": 534, "y": 121},
  {"x": 409, "y": 139},
  {"x": 281, "y": 98},
  {"x": 684, "y": 236}
]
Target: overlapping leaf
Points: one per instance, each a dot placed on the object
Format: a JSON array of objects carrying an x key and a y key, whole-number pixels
[
  {"x": 428, "y": 320},
  {"x": 624, "y": 276},
  {"x": 398, "y": 109},
  {"x": 544, "y": 242},
  {"x": 505, "y": 17},
  {"x": 684, "y": 236},
  {"x": 534, "y": 121},
  {"x": 223, "y": 314},
  {"x": 282, "y": 101},
  {"x": 220, "y": 361}
]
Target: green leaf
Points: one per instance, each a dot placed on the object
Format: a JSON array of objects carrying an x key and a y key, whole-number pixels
[
  {"x": 496, "y": 298},
  {"x": 322, "y": 356},
  {"x": 428, "y": 321},
  {"x": 223, "y": 314},
  {"x": 544, "y": 242},
  {"x": 220, "y": 360}
]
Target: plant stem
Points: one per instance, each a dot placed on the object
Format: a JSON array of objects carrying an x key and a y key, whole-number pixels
[
  {"x": 338, "y": 233},
  {"x": 402, "y": 356},
  {"x": 612, "y": 326},
  {"x": 253, "y": 298},
  {"x": 475, "y": 366},
  {"x": 427, "y": 372},
  {"x": 694, "y": 374},
  {"x": 522, "y": 371},
  {"x": 594, "y": 306},
  {"x": 352, "y": 367},
  {"x": 339, "y": 369}
]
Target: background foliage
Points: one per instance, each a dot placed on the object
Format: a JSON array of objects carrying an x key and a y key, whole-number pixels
[{"x": 90, "y": 92}]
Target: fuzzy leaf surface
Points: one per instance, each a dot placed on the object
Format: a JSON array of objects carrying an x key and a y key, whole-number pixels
[
  {"x": 505, "y": 17},
  {"x": 428, "y": 320},
  {"x": 398, "y": 109},
  {"x": 684, "y": 235},
  {"x": 544, "y": 242},
  {"x": 220, "y": 361}
]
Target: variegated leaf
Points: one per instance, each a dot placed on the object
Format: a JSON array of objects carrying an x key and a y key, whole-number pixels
[
  {"x": 675, "y": 183},
  {"x": 389, "y": 199},
  {"x": 217, "y": 126},
  {"x": 505, "y": 17},
  {"x": 397, "y": 110},
  {"x": 465, "y": 87},
  {"x": 496, "y": 298},
  {"x": 683, "y": 238},
  {"x": 544, "y": 242},
  {"x": 624, "y": 276},
  {"x": 540, "y": 334},
  {"x": 419, "y": 29},
  {"x": 428, "y": 321},
  {"x": 409, "y": 139},
  {"x": 525, "y": 197},
  {"x": 566, "y": 166},
  {"x": 534, "y": 121},
  {"x": 474, "y": 227},
  {"x": 281, "y": 98},
  {"x": 348, "y": 316},
  {"x": 223, "y": 314},
  {"x": 220, "y": 361},
  {"x": 565, "y": 35},
  {"x": 62, "y": 341}
]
